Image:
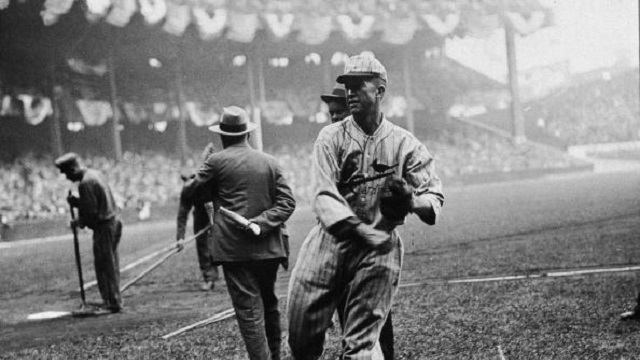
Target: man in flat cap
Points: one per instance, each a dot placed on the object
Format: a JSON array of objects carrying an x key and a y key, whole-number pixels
[
  {"x": 246, "y": 183},
  {"x": 372, "y": 174},
  {"x": 97, "y": 210}
]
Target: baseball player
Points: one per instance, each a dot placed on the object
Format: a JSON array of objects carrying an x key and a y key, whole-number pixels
[
  {"x": 338, "y": 110},
  {"x": 201, "y": 219},
  {"x": 372, "y": 174}
]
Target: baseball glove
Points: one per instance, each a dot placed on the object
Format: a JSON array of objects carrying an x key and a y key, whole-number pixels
[{"x": 395, "y": 203}]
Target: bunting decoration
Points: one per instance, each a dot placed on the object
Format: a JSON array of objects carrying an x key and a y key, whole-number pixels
[
  {"x": 35, "y": 109},
  {"x": 441, "y": 27},
  {"x": 277, "y": 112},
  {"x": 177, "y": 19},
  {"x": 353, "y": 31},
  {"x": 524, "y": 26},
  {"x": 94, "y": 112},
  {"x": 313, "y": 20},
  {"x": 209, "y": 25},
  {"x": 201, "y": 115},
  {"x": 53, "y": 9},
  {"x": 242, "y": 26},
  {"x": 314, "y": 30},
  {"x": 398, "y": 31},
  {"x": 121, "y": 13},
  {"x": 279, "y": 24},
  {"x": 96, "y": 9},
  {"x": 153, "y": 10}
]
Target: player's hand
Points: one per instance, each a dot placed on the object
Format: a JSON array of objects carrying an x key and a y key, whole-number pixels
[
  {"x": 396, "y": 201},
  {"x": 372, "y": 237},
  {"x": 74, "y": 224},
  {"x": 254, "y": 229},
  {"x": 72, "y": 200},
  {"x": 180, "y": 244}
]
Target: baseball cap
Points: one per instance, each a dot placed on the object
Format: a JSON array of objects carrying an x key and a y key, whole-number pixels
[{"x": 363, "y": 65}]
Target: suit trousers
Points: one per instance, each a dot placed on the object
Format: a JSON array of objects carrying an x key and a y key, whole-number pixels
[
  {"x": 106, "y": 238},
  {"x": 251, "y": 286},
  {"x": 204, "y": 245},
  {"x": 350, "y": 277}
]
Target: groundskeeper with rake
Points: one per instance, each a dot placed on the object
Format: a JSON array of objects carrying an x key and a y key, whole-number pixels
[{"x": 97, "y": 210}]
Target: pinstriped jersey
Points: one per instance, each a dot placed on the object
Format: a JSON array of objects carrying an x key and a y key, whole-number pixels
[{"x": 353, "y": 167}]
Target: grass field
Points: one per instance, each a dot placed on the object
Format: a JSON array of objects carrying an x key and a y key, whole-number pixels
[{"x": 519, "y": 227}]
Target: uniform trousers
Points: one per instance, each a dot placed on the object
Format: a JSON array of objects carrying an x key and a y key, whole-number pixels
[
  {"x": 251, "y": 286},
  {"x": 106, "y": 237},
  {"x": 204, "y": 244},
  {"x": 350, "y": 277}
]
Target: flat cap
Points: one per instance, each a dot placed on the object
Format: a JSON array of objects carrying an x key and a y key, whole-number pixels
[{"x": 66, "y": 160}]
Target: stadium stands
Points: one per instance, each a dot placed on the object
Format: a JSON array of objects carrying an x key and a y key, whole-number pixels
[{"x": 32, "y": 188}]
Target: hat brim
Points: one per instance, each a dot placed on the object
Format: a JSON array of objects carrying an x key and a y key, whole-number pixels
[
  {"x": 331, "y": 98},
  {"x": 250, "y": 128},
  {"x": 343, "y": 78}
]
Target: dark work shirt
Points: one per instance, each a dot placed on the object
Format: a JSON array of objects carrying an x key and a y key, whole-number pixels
[{"x": 96, "y": 204}]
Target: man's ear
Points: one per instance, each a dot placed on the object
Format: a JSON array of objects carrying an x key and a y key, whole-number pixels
[{"x": 381, "y": 91}]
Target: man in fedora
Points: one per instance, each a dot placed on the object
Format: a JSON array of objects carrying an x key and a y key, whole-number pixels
[
  {"x": 372, "y": 174},
  {"x": 337, "y": 103},
  {"x": 97, "y": 210},
  {"x": 251, "y": 184},
  {"x": 338, "y": 110}
]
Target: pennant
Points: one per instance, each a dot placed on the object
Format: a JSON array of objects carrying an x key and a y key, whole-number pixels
[
  {"x": 153, "y": 10},
  {"x": 210, "y": 26}
]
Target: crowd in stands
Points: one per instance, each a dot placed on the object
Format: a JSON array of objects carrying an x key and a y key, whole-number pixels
[
  {"x": 604, "y": 110},
  {"x": 32, "y": 188}
]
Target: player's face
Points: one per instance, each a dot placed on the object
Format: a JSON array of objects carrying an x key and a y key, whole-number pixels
[
  {"x": 338, "y": 111},
  {"x": 361, "y": 95}
]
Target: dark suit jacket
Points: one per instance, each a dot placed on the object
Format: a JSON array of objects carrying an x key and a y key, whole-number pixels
[{"x": 251, "y": 184}]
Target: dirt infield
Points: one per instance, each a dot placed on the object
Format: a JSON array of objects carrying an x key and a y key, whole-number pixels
[{"x": 519, "y": 227}]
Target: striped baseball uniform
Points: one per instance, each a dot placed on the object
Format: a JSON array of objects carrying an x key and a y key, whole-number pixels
[{"x": 357, "y": 280}]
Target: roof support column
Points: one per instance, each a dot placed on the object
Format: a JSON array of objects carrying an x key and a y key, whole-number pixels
[{"x": 408, "y": 92}]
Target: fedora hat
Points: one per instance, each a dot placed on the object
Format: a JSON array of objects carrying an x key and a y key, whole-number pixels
[
  {"x": 234, "y": 122},
  {"x": 338, "y": 94}
]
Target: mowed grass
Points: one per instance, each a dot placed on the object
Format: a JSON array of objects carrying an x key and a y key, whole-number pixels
[{"x": 495, "y": 229}]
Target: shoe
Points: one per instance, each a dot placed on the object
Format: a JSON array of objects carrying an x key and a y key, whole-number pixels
[
  {"x": 114, "y": 309},
  {"x": 630, "y": 315},
  {"x": 207, "y": 286}
]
